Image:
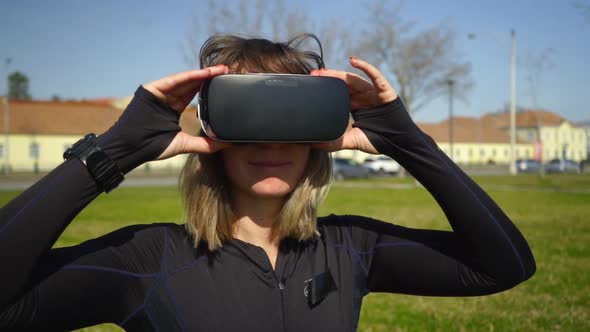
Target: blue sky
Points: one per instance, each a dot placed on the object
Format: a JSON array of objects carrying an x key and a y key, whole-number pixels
[{"x": 92, "y": 49}]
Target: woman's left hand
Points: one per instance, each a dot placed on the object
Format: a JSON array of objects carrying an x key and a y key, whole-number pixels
[{"x": 363, "y": 94}]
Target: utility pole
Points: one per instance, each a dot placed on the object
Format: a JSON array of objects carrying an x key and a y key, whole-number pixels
[
  {"x": 6, "y": 168},
  {"x": 451, "y": 132},
  {"x": 513, "y": 103}
]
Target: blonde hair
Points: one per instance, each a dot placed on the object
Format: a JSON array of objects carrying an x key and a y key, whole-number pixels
[
  {"x": 208, "y": 213},
  {"x": 205, "y": 189}
]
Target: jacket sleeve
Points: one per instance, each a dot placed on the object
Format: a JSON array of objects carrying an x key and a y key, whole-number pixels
[
  {"x": 36, "y": 281},
  {"x": 485, "y": 253}
]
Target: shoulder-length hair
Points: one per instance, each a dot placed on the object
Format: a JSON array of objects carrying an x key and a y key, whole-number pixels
[{"x": 204, "y": 186}]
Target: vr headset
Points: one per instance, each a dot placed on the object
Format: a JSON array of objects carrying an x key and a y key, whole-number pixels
[{"x": 274, "y": 108}]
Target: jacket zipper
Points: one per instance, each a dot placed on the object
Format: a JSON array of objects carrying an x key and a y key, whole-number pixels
[{"x": 281, "y": 285}]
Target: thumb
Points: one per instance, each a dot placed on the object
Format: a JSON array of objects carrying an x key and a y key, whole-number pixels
[
  {"x": 185, "y": 143},
  {"x": 345, "y": 142},
  {"x": 353, "y": 139},
  {"x": 192, "y": 144}
]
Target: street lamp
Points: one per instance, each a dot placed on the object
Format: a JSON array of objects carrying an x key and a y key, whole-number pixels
[
  {"x": 512, "y": 101},
  {"x": 512, "y": 167},
  {"x": 6, "y": 168},
  {"x": 451, "y": 83}
]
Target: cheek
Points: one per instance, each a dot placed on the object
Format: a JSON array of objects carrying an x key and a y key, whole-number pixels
[
  {"x": 301, "y": 160},
  {"x": 234, "y": 168}
]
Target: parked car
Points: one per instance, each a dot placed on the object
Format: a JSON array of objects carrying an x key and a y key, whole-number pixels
[
  {"x": 382, "y": 165},
  {"x": 527, "y": 166},
  {"x": 562, "y": 166},
  {"x": 347, "y": 168}
]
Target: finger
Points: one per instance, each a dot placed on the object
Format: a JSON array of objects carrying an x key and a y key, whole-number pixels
[
  {"x": 355, "y": 82},
  {"x": 169, "y": 83},
  {"x": 180, "y": 102},
  {"x": 186, "y": 89},
  {"x": 179, "y": 89},
  {"x": 329, "y": 73},
  {"x": 343, "y": 75},
  {"x": 373, "y": 73},
  {"x": 183, "y": 95},
  {"x": 379, "y": 81}
]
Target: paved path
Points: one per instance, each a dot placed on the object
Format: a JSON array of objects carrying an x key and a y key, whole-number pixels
[
  {"x": 21, "y": 182},
  {"x": 487, "y": 187}
]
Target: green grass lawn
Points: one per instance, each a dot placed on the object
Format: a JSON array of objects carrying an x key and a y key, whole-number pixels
[{"x": 556, "y": 225}]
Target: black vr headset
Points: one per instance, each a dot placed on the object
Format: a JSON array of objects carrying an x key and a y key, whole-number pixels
[{"x": 274, "y": 108}]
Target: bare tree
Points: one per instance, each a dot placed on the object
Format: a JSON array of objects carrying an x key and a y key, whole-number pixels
[
  {"x": 419, "y": 63},
  {"x": 536, "y": 64},
  {"x": 583, "y": 7},
  {"x": 260, "y": 18}
]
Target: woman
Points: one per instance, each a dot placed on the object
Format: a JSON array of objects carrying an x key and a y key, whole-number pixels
[{"x": 253, "y": 255}]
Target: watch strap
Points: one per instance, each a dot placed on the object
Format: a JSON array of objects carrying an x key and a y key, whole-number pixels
[{"x": 105, "y": 172}]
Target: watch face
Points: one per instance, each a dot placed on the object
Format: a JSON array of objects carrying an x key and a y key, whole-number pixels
[
  {"x": 79, "y": 149},
  {"x": 104, "y": 171}
]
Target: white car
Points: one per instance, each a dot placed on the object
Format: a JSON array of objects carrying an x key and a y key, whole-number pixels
[{"x": 382, "y": 165}]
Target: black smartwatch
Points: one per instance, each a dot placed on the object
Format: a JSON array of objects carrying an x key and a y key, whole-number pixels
[{"x": 104, "y": 171}]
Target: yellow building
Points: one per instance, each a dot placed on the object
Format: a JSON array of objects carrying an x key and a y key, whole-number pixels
[
  {"x": 540, "y": 135},
  {"x": 40, "y": 132},
  {"x": 564, "y": 141}
]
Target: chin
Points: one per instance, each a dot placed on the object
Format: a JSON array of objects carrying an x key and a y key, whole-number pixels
[{"x": 271, "y": 188}]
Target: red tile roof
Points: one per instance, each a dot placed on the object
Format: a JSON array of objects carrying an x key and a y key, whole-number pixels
[
  {"x": 466, "y": 129},
  {"x": 528, "y": 118},
  {"x": 489, "y": 128},
  {"x": 70, "y": 117}
]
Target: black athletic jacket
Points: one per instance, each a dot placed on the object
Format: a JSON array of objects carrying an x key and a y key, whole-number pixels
[{"x": 150, "y": 278}]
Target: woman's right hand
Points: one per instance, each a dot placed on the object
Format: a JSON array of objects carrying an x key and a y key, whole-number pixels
[
  {"x": 177, "y": 91},
  {"x": 149, "y": 127}
]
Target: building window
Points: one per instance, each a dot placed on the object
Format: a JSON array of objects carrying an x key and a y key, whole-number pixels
[
  {"x": 493, "y": 152},
  {"x": 506, "y": 151},
  {"x": 2, "y": 151},
  {"x": 482, "y": 152},
  {"x": 470, "y": 152},
  {"x": 34, "y": 150},
  {"x": 531, "y": 136}
]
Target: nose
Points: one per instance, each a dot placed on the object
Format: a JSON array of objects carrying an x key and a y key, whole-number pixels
[{"x": 272, "y": 146}]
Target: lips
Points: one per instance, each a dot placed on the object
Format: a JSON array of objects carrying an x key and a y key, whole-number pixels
[{"x": 269, "y": 163}]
